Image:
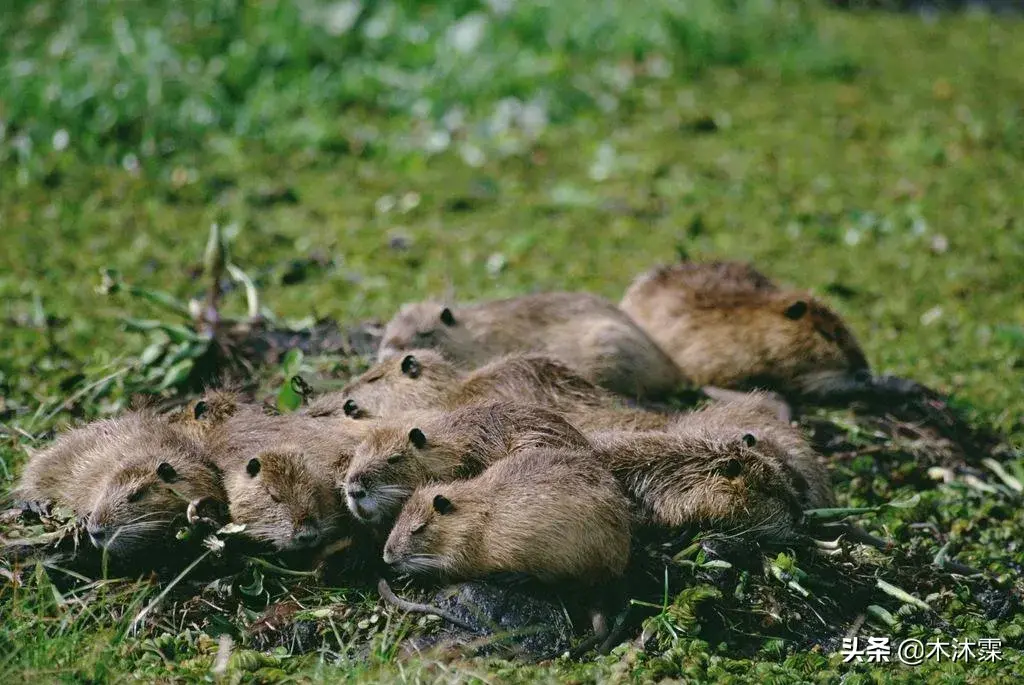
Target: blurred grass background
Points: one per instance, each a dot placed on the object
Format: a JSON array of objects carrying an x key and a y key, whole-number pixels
[{"x": 362, "y": 154}]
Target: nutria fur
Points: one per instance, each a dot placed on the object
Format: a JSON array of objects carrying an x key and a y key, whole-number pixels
[
  {"x": 417, "y": 380},
  {"x": 414, "y": 448},
  {"x": 583, "y": 331},
  {"x": 725, "y": 324},
  {"x": 211, "y": 409},
  {"x": 754, "y": 415},
  {"x": 280, "y": 473},
  {"x": 731, "y": 468},
  {"x": 555, "y": 515},
  {"x": 423, "y": 379},
  {"x": 131, "y": 478}
]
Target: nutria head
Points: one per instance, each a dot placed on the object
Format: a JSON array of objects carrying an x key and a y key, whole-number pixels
[
  {"x": 147, "y": 495},
  {"x": 212, "y": 409},
  {"x": 283, "y": 500},
  {"x": 436, "y": 532},
  {"x": 416, "y": 379},
  {"x": 423, "y": 325},
  {"x": 817, "y": 341},
  {"x": 746, "y": 489},
  {"x": 392, "y": 461}
]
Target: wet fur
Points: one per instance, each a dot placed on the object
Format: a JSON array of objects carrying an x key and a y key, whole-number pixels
[
  {"x": 107, "y": 472},
  {"x": 460, "y": 443},
  {"x": 700, "y": 472},
  {"x": 555, "y": 515},
  {"x": 300, "y": 457},
  {"x": 725, "y": 324},
  {"x": 584, "y": 331}
]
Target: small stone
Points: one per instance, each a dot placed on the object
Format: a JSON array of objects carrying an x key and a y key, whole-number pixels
[{"x": 931, "y": 316}]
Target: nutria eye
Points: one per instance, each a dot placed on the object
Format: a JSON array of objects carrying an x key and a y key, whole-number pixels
[
  {"x": 350, "y": 408},
  {"x": 417, "y": 438},
  {"x": 253, "y": 467},
  {"x": 732, "y": 469},
  {"x": 166, "y": 472},
  {"x": 796, "y": 310},
  {"x": 395, "y": 458},
  {"x": 199, "y": 411},
  {"x": 411, "y": 366},
  {"x": 447, "y": 318},
  {"x": 749, "y": 439}
]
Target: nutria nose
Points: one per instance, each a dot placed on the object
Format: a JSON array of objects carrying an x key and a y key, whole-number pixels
[
  {"x": 306, "y": 535},
  {"x": 389, "y": 558},
  {"x": 97, "y": 534},
  {"x": 355, "y": 490}
]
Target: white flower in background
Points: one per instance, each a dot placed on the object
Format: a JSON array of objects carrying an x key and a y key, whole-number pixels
[
  {"x": 500, "y": 7},
  {"x": 341, "y": 17},
  {"x": 465, "y": 35},
  {"x": 472, "y": 155},
  {"x": 61, "y": 139},
  {"x": 604, "y": 162}
]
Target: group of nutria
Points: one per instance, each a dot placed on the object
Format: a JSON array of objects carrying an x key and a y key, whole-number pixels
[{"x": 533, "y": 435}]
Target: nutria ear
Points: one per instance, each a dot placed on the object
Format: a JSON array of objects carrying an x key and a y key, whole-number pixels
[
  {"x": 796, "y": 310},
  {"x": 411, "y": 366},
  {"x": 417, "y": 438},
  {"x": 447, "y": 318},
  {"x": 166, "y": 472},
  {"x": 253, "y": 467},
  {"x": 749, "y": 440},
  {"x": 443, "y": 505},
  {"x": 200, "y": 409},
  {"x": 350, "y": 408}
]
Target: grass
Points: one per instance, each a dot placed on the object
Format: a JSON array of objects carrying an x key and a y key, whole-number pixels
[{"x": 449, "y": 148}]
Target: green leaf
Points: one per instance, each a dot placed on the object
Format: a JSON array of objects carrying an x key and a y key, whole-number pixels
[
  {"x": 291, "y": 362},
  {"x": 254, "y": 588},
  {"x": 287, "y": 399},
  {"x": 177, "y": 374}
]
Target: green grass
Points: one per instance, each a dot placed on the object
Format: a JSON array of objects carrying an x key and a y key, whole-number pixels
[{"x": 873, "y": 158}]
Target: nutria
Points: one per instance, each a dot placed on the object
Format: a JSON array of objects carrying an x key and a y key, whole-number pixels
[
  {"x": 583, "y": 331},
  {"x": 725, "y": 324},
  {"x": 131, "y": 478},
  {"x": 732, "y": 468},
  {"x": 211, "y": 409},
  {"x": 423, "y": 379},
  {"x": 415, "y": 381},
  {"x": 753, "y": 415},
  {"x": 555, "y": 515},
  {"x": 414, "y": 448},
  {"x": 280, "y": 473}
]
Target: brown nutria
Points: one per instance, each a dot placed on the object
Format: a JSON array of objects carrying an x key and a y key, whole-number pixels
[
  {"x": 729, "y": 477},
  {"x": 414, "y": 448},
  {"x": 211, "y": 409},
  {"x": 423, "y": 379},
  {"x": 415, "y": 381},
  {"x": 583, "y": 331},
  {"x": 280, "y": 473},
  {"x": 131, "y": 478},
  {"x": 555, "y": 515},
  {"x": 752, "y": 415},
  {"x": 725, "y": 324}
]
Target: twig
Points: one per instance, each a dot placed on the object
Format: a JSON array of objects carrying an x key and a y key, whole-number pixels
[
  {"x": 390, "y": 597},
  {"x": 902, "y": 595}
]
